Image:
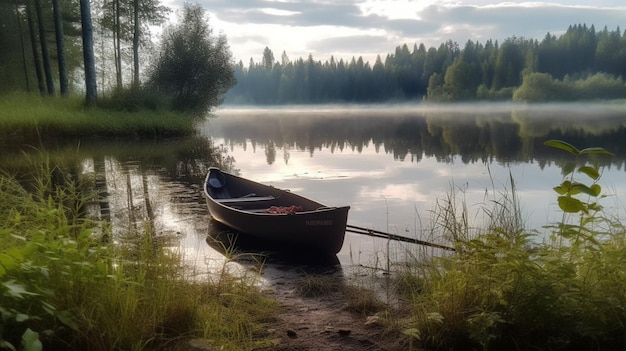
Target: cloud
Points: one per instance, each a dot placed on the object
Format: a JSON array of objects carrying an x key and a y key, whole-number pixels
[
  {"x": 520, "y": 21},
  {"x": 347, "y": 47},
  {"x": 368, "y": 28}
]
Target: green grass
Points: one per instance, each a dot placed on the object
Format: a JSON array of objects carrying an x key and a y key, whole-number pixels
[
  {"x": 66, "y": 285},
  {"x": 31, "y": 116},
  {"x": 506, "y": 289}
]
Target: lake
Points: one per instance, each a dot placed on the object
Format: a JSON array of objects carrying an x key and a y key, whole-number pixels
[{"x": 394, "y": 165}]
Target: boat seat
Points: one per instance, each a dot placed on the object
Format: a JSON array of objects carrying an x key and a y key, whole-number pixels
[{"x": 245, "y": 200}]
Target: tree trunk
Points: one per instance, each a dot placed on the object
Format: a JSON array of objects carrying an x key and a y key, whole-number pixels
[
  {"x": 19, "y": 26},
  {"x": 91, "y": 94},
  {"x": 44, "y": 49},
  {"x": 33, "y": 43},
  {"x": 60, "y": 41},
  {"x": 117, "y": 45},
  {"x": 136, "y": 43}
]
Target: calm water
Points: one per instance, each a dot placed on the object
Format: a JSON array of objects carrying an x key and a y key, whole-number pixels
[{"x": 392, "y": 165}]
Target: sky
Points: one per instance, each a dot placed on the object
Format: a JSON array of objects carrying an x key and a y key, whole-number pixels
[{"x": 367, "y": 28}]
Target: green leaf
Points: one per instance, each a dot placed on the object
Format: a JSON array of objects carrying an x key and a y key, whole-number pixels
[
  {"x": 66, "y": 318},
  {"x": 578, "y": 188},
  {"x": 571, "y": 205},
  {"x": 595, "y": 151},
  {"x": 562, "y": 145},
  {"x": 30, "y": 341},
  {"x": 564, "y": 188},
  {"x": 16, "y": 290},
  {"x": 591, "y": 172},
  {"x": 596, "y": 189},
  {"x": 8, "y": 262},
  {"x": 21, "y": 317},
  {"x": 412, "y": 332},
  {"x": 15, "y": 253}
]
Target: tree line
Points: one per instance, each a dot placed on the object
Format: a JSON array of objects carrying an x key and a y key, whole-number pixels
[
  {"x": 106, "y": 46},
  {"x": 475, "y": 136},
  {"x": 582, "y": 63},
  {"x": 46, "y": 45}
]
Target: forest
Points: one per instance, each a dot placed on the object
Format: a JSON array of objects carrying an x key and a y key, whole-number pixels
[
  {"x": 106, "y": 46},
  {"x": 581, "y": 64}
]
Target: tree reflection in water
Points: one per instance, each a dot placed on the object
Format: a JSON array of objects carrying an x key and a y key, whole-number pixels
[{"x": 475, "y": 133}]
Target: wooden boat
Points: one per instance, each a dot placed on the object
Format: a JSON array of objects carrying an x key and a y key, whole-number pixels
[
  {"x": 251, "y": 251},
  {"x": 275, "y": 216}
]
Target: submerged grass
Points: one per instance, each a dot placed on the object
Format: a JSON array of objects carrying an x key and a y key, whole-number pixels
[{"x": 66, "y": 285}]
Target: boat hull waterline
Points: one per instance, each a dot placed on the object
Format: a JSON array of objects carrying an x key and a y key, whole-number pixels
[{"x": 278, "y": 216}]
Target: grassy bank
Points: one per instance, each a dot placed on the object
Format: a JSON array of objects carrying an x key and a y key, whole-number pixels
[
  {"x": 505, "y": 288},
  {"x": 30, "y": 116},
  {"x": 66, "y": 284}
]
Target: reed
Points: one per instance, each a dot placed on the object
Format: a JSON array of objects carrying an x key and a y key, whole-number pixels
[
  {"x": 505, "y": 288},
  {"x": 65, "y": 285}
]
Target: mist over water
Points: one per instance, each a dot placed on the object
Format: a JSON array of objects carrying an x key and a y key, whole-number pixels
[
  {"x": 394, "y": 164},
  {"x": 579, "y": 109}
]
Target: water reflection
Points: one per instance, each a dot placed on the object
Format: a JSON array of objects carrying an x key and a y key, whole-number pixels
[
  {"x": 232, "y": 243},
  {"x": 506, "y": 133},
  {"x": 393, "y": 165},
  {"x": 390, "y": 165}
]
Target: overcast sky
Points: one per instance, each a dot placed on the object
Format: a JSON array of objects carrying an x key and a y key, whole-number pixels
[{"x": 366, "y": 28}]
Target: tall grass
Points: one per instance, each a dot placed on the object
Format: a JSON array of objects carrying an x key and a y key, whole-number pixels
[
  {"x": 65, "y": 285},
  {"x": 31, "y": 116},
  {"x": 503, "y": 289}
]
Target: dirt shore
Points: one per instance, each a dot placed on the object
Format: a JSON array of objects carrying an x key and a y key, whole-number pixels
[{"x": 321, "y": 322}]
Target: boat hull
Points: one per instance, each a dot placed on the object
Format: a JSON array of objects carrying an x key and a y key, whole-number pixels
[{"x": 314, "y": 227}]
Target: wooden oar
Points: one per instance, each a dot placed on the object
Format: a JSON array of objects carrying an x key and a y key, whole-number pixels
[{"x": 383, "y": 235}]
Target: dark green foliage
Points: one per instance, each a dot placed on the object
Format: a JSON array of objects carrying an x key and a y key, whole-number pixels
[
  {"x": 134, "y": 100},
  {"x": 45, "y": 239},
  {"x": 194, "y": 67},
  {"x": 581, "y": 64},
  {"x": 64, "y": 285},
  {"x": 541, "y": 87}
]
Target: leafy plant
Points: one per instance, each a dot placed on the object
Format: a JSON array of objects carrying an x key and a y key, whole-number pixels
[
  {"x": 570, "y": 190},
  {"x": 36, "y": 249},
  {"x": 63, "y": 285},
  {"x": 506, "y": 290}
]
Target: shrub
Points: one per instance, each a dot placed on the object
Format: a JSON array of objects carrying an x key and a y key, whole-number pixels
[
  {"x": 134, "y": 100},
  {"x": 194, "y": 67},
  {"x": 503, "y": 289}
]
